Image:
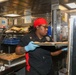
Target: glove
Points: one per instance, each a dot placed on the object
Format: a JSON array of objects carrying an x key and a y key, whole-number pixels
[
  {"x": 64, "y": 49},
  {"x": 30, "y": 47}
]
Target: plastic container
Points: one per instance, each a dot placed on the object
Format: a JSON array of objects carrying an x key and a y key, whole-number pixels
[{"x": 11, "y": 41}]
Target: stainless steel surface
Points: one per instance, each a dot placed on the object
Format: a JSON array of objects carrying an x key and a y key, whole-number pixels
[
  {"x": 70, "y": 44},
  {"x": 14, "y": 63},
  {"x": 56, "y": 24},
  {"x": 71, "y": 51}
]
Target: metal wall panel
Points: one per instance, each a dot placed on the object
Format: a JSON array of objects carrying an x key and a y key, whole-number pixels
[{"x": 72, "y": 47}]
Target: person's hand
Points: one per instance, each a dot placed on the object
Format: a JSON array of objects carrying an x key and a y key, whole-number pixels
[
  {"x": 31, "y": 46},
  {"x": 64, "y": 49}
]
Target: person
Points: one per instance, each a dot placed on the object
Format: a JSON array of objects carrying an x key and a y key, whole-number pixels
[{"x": 38, "y": 58}]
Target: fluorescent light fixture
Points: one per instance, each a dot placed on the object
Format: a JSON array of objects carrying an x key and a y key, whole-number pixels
[
  {"x": 3, "y": 0},
  {"x": 71, "y": 5},
  {"x": 12, "y": 15}
]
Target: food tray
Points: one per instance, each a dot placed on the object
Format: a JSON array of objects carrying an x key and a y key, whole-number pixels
[
  {"x": 11, "y": 58},
  {"x": 51, "y": 43}
]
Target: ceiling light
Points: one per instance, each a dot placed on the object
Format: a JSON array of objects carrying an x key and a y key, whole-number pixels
[
  {"x": 12, "y": 15},
  {"x": 3, "y": 0},
  {"x": 71, "y": 5}
]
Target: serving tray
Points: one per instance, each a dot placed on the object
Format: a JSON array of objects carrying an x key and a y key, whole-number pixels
[
  {"x": 51, "y": 43},
  {"x": 11, "y": 58}
]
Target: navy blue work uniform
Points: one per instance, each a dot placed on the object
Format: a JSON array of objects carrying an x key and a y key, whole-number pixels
[{"x": 40, "y": 59}]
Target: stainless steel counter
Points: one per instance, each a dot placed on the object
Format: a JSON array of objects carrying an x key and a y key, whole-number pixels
[{"x": 12, "y": 68}]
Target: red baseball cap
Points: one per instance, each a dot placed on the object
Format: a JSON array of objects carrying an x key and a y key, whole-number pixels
[{"x": 39, "y": 21}]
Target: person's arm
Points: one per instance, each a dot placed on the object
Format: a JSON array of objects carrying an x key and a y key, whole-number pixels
[
  {"x": 27, "y": 48},
  {"x": 19, "y": 50},
  {"x": 56, "y": 53}
]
